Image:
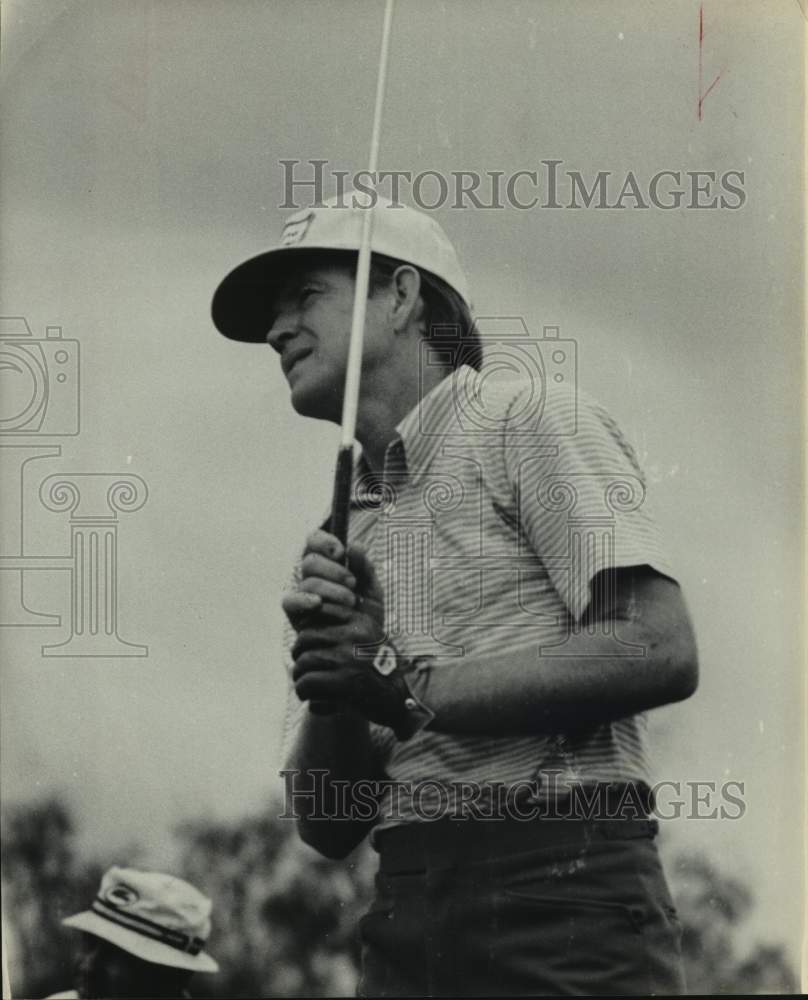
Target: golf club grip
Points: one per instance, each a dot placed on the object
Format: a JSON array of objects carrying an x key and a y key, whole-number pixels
[
  {"x": 341, "y": 499},
  {"x": 338, "y": 525}
]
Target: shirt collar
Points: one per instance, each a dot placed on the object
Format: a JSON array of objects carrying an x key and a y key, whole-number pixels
[
  {"x": 420, "y": 434},
  {"x": 423, "y": 430}
]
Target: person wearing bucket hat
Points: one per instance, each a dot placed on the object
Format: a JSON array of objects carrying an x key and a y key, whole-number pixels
[
  {"x": 143, "y": 936},
  {"x": 467, "y": 665}
]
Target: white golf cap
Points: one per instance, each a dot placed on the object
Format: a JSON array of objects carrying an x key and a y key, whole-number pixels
[
  {"x": 156, "y": 917},
  {"x": 242, "y": 302}
]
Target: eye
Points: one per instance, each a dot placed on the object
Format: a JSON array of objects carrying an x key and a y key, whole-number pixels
[{"x": 307, "y": 291}]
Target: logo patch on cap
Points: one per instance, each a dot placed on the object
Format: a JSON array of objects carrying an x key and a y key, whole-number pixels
[
  {"x": 123, "y": 895},
  {"x": 294, "y": 231}
]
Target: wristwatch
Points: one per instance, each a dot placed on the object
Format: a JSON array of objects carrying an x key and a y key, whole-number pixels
[
  {"x": 386, "y": 660},
  {"x": 414, "y": 716}
]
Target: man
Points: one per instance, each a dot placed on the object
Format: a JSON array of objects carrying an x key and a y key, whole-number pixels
[
  {"x": 478, "y": 662},
  {"x": 144, "y": 936}
]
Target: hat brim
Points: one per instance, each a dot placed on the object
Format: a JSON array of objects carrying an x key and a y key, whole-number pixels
[
  {"x": 138, "y": 945},
  {"x": 242, "y": 304}
]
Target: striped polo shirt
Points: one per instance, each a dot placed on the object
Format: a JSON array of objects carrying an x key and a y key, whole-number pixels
[{"x": 498, "y": 504}]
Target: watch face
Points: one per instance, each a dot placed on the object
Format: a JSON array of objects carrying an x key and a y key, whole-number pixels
[{"x": 384, "y": 661}]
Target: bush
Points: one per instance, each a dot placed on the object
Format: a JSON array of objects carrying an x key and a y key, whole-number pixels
[{"x": 284, "y": 919}]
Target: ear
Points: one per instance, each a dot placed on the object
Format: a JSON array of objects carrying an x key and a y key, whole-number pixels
[{"x": 406, "y": 287}]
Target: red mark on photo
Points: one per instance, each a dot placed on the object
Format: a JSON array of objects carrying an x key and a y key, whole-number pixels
[{"x": 702, "y": 92}]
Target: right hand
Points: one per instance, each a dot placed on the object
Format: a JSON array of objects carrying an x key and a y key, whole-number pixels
[{"x": 326, "y": 594}]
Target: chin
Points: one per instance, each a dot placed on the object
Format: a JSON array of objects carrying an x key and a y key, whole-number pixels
[{"x": 318, "y": 402}]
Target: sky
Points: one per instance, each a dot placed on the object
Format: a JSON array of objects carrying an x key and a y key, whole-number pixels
[{"x": 141, "y": 161}]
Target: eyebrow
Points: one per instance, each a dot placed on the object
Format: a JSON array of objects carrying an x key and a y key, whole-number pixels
[{"x": 290, "y": 290}]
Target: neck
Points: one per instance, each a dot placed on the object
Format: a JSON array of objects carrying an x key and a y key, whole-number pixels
[{"x": 384, "y": 404}]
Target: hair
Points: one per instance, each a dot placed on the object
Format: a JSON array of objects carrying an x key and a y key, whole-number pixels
[{"x": 449, "y": 324}]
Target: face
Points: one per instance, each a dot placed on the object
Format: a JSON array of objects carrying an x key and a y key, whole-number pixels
[
  {"x": 105, "y": 971},
  {"x": 311, "y": 328}
]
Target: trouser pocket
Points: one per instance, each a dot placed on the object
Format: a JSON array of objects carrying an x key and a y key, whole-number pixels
[{"x": 571, "y": 946}]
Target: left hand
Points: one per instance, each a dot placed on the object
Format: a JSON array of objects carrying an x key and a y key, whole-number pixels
[{"x": 326, "y": 667}]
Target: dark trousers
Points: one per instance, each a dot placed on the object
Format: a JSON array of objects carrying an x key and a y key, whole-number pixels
[{"x": 540, "y": 908}]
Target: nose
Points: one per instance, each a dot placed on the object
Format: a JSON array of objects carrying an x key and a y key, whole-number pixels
[{"x": 284, "y": 327}]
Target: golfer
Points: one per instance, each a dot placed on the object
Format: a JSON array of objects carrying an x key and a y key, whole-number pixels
[{"x": 470, "y": 678}]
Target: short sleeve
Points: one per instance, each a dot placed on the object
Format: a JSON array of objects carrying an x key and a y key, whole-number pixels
[{"x": 581, "y": 498}]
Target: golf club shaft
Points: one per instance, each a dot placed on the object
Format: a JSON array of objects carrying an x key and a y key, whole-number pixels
[{"x": 343, "y": 475}]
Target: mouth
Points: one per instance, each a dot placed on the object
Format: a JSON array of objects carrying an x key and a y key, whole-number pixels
[{"x": 288, "y": 361}]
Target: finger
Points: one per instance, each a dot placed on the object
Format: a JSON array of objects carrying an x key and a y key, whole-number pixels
[
  {"x": 314, "y": 564},
  {"x": 309, "y": 611},
  {"x": 323, "y": 659},
  {"x": 322, "y": 687},
  {"x": 321, "y": 640},
  {"x": 325, "y": 544},
  {"x": 329, "y": 614},
  {"x": 313, "y": 658},
  {"x": 363, "y": 570},
  {"x": 298, "y": 604},
  {"x": 335, "y": 593}
]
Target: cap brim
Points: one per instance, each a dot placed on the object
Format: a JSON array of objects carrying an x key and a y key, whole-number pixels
[
  {"x": 242, "y": 304},
  {"x": 140, "y": 946}
]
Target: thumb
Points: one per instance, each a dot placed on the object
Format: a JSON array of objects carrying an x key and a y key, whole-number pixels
[{"x": 367, "y": 583}]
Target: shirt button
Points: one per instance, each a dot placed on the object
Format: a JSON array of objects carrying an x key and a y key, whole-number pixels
[{"x": 411, "y": 704}]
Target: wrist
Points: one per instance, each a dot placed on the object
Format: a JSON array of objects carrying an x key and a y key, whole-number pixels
[
  {"x": 403, "y": 674},
  {"x": 342, "y": 718}
]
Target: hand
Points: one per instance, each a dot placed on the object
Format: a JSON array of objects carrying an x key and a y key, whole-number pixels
[
  {"x": 326, "y": 592},
  {"x": 335, "y": 610}
]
